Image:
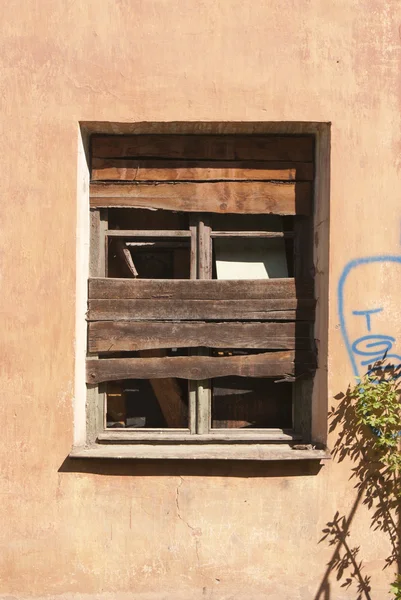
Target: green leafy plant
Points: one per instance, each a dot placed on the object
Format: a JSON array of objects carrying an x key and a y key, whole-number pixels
[
  {"x": 395, "y": 588},
  {"x": 377, "y": 407}
]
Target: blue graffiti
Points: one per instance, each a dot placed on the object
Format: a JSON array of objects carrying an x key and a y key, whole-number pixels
[
  {"x": 367, "y": 349},
  {"x": 367, "y": 314}
]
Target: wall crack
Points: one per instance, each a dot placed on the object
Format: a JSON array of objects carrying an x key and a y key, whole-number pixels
[{"x": 195, "y": 531}]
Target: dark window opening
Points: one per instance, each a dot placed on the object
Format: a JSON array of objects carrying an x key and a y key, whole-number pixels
[{"x": 251, "y": 402}]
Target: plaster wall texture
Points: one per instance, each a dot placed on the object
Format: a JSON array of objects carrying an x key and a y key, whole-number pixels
[{"x": 179, "y": 530}]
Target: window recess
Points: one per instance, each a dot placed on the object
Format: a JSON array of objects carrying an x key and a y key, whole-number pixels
[{"x": 201, "y": 297}]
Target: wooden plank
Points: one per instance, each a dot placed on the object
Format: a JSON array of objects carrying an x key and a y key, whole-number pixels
[
  {"x": 98, "y": 228},
  {"x": 268, "y": 364},
  {"x": 170, "y": 289},
  {"x": 252, "y": 234},
  {"x": 243, "y": 197},
  {"x": 204, "y": 386},
  {"x": 127, "y": 435},
  {"x": 212, "y": 147},
  {"x": 168, "y": 394},
  {"x": 193, "y": 270},
  {"x": 170, "y": 244},
  {"x": 125, "y": 255},
  {"x": 203, "y": 405},
  {"x": 204, "y": 249},
  {"x": 241, "y": 451},
  {"x": 148, "y": 233},
  {"x": 125, "y": 336},
  {"x": 302, "y": 407},
  {"x": 192, "y": 395},
  {"x": 255, "y": 310},
  {"x": 203, "y": 398},
  {"x": 305, "y": 271},
  {"x": 96, "y": 397},
  {"x": 303, "y": 249},
  {"x": 185, "y": 170}
]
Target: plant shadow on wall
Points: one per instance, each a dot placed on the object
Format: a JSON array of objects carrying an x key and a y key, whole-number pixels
[{"x": 367, "y": 421}]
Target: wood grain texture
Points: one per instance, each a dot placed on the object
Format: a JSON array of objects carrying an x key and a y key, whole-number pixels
[
  {"x": 125, "y": 255},
  {"x": 241, "y": 451},
  {"x": 124, "y": 336},
  {"x": 268, "y": 364},
  {"x": 170, "y": 289},
  {"x": 147, "y": 233},
  {"x": 166, "y": 310},
  {"x": 98, "y": 228},
  {"x": 212, "y": 147},
  {"x": 168, "y": 394},
  {"x": 246, "y": 435},
  {"x": 252, "y": 234},
  {"x": 184, "y": 170},
  {"x": 241, "y": 197},
  {"x": 204, "y": 249}
]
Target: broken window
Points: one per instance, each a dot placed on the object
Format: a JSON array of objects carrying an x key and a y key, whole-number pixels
[{"x": 201, "y": 300}]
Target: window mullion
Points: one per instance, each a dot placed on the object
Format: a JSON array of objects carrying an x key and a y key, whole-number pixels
[
  {"x": 193, "y": 385},
  {"x": 204, "y": 389}
]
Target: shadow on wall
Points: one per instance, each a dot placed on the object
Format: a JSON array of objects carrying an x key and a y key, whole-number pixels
[
  {"x": 367, "y": 331},
  {"x": 377, "y": 488},
  {"x": 196, "y": 468}
]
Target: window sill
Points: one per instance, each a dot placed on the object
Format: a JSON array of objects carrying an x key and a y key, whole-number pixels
[
  {"x": 183, "y": 437},
  {"x": 200, "y": 452}
]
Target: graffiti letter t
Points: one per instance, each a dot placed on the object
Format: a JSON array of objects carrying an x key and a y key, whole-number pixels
[{"x": 367, "y": 314}]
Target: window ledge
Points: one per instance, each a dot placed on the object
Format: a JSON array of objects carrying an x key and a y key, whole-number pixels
[{"x": 200, "y": 452}]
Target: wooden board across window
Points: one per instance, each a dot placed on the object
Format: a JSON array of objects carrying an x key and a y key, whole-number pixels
[{"x": 197, "y": 173}]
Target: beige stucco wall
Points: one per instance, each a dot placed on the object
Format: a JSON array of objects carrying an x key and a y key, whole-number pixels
[{"x": 178, "y": 530}]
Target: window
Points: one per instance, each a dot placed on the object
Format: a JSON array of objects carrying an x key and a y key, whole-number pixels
[{"x": 201, "y": 297}]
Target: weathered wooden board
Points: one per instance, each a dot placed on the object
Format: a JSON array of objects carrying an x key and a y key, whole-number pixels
[
  {"x": 170, "y": 289},
  {"x": 303, "y": 249},
  {"x": 166, "y": 310},
  {"x": 209, "y": 451},
  {"x": 252, "y": 234},
  {"x": 120, "y": 336},
  {"x": 222, "y": 436},
  {"x": 212, "y": 147},
  {"x": 168, "y": 394},
  {"x": 241, "y": 197},
  {"x": 184, "y": 170},
  {"x": 269, "y": 364},
  {"x": 148, "y": 233}
]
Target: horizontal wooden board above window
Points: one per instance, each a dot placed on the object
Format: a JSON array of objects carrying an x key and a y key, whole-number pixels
[
  {"x": 151, "y": 169},
  {"x": 197, "y": 173},
  {"x": 205, "y": 147},
  {"x": 241, "y": 197}
]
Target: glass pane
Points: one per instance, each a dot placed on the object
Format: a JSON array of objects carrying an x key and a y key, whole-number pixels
[
  {"x": 247, "y": 402},
  {"x": 149, "y": 258},
  {"x": 249, "y": 258},
  {"x": 147, "y": 403}
]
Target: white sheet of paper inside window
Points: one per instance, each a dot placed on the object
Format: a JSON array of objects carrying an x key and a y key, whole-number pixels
[{"x": 250, "y": 258}]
